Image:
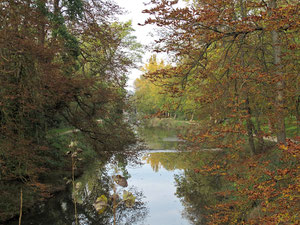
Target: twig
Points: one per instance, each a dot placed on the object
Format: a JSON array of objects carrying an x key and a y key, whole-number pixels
[
  {"x": 114, "y": 203},
  {"x": 21, "y": 206},
  {"x": 74, "y": 197}
]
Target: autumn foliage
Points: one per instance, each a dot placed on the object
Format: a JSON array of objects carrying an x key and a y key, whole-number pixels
[
  {"x": 62, "y": 64},
  {"x": 234, "y": 59},
  {"x": 237, "y": 62}
]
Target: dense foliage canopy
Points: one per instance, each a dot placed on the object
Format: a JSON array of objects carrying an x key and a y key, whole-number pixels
[
  {"x": 235, "y": 71},
  {"x": 63, "y": 65}
]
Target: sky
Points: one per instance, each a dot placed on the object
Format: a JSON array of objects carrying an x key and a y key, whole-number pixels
[
  {"x": 135, "y": 8},
  {"x": 143, "y": 33}
]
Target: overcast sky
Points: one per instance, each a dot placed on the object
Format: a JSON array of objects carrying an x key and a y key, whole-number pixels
[{"x": 135, "y": 8}]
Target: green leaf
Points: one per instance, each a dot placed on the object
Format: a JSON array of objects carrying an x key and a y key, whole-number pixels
[
  {"x": 128, "y": 198},
  {"x": 100, "y": 204}
]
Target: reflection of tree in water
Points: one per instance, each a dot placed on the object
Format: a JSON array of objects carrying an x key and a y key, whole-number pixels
[
  {"x": 93, "y": 187},
  {"x": 124, "y": 215},
  {"x": 168, "y": 160},
  {"x": 154, "y": 137},
  {"x": 60, "y": 210},
  {"x": 134, "y": 215},
  {"x": 10, "y": 197},
  {"x": 198, "y": 191}
]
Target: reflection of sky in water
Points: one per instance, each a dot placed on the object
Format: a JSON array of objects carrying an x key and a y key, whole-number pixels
[{"x": 164, "y": 207}]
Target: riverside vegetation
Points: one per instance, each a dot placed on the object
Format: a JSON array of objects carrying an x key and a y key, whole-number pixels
[
  {"x": 235, "y": 73},
  {"x": 63, "y": 66},
  {"x": 231, "y": 85}
]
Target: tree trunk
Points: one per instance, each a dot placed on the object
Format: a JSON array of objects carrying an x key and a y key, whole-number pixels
[
  {"x": 56, "y": 7},
  {"x": 42, "y": 26},
  {"x": 281, "y": 135},
  {"x": 249, "y": 122},
  {"x": 297, "y": 113},
  {"x": 250, "y": 129},
  {"x": 192, "y": 118},
  {"x": 258, "y": 134}
]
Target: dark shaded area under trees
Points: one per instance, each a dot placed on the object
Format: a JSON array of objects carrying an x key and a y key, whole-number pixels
[{"x": 63, "y": 63}]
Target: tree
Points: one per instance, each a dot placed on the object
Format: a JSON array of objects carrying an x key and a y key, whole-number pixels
[
  {"x": 62, "y": 62},
  {"x": 242, "y": 57},
  {"x": 233, "y": 50},
  {"x": 150, "y": 96}
]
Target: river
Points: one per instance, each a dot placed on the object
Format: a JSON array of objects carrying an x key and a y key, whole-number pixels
[{"x": 161, "y": 183}]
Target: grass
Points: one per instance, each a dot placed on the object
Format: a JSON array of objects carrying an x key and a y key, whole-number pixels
[
  {"x": 291, "y": 127},
  {"x": 167, "y": 123}
]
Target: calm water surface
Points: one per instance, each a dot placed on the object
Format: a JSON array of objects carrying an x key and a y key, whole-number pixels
[
  {"x": 158, "y": 186},
  {"x": 161, "y": 185}
]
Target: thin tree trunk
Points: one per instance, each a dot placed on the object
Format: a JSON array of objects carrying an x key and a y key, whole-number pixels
[
  {"x": 74, "y": 189},
  {"x": 249, "y": 122},
  {"x": 42, "y": 24},
  {"x": 281, "y": 134},
  {"x": 56, "y": 7},
  {"x": 297, "y": 113},
  {"x": 258, "y": 134},
  {"x": 114, "y": 203},
  {"x": 21, "y": 206},
  {"x": 250, "y": 128},
  {"x": 192, "y": 118}
]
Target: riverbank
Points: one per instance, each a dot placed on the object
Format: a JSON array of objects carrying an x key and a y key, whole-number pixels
[
  {"x": 47, "y": 185},
  {"x": 166, "y": 123},
  {"x": 69, "y": 150}
]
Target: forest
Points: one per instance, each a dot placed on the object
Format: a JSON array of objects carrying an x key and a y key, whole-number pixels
[
  {"x": 64, "y": 66},
  {"x": 231, "y": 82},
  {"x": 235, "y": 77}
]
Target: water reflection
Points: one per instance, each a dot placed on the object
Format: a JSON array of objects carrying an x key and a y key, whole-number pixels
[
  {"x": 196, "y": 191},
  {"x": 167, "y": 160},
  {"x": 159, "y": 189},
  {"x": 95, "y": 182},
  {"x": 157, "y": 138},
  {"x": 166, "y": 188}
]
